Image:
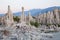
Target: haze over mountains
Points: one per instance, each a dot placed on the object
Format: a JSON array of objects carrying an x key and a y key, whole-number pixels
[{"x": 35, "y": 11}]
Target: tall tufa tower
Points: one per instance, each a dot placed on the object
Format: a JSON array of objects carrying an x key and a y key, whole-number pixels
[
  {"x": 29, "y": 16},
  {"x": 10, "y": 14},
  {"x": 22, "y": 15},
  {"x": 57, "y": 15},
  {"x": 9, "y": 17}
]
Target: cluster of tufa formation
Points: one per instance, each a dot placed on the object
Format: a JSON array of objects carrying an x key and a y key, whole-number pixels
[
  {"x": 50, "y": 17},
  {"x": 7, "y": 19},
  {"x": 19, "y": 31},
  {"x": 10, "y": 30}
]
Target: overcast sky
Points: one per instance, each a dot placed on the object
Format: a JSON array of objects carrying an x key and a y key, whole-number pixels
[{"x": 27, "y": 4}]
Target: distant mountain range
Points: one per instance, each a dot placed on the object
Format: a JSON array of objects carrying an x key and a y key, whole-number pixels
[{"x": 35, "y": 11}]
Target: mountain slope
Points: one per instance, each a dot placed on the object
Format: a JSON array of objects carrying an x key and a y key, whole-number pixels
[
  {"x": 35, "y": 11},
  {"x": 38, "y": 11}
]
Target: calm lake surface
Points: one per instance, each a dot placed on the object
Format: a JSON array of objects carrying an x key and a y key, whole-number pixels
[{"x": 56, "y": 36}]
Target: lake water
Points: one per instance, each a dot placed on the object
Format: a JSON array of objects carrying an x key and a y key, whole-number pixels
[{"x": 56, "y": 36}]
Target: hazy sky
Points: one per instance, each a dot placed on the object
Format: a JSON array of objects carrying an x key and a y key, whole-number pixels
[{"x": 27, "y": 4}]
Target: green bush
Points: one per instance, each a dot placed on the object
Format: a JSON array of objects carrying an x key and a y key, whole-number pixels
[
  {"x": 58, "y": 25},
  {"x": 16, "y": 19},
  {"x": 31, "y": 22},
  {"x": 48, "y": 24},
  {"x": 36, "y": 24}
]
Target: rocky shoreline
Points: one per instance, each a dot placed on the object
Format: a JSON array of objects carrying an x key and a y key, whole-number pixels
[{"x": 21, "y": 31}]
